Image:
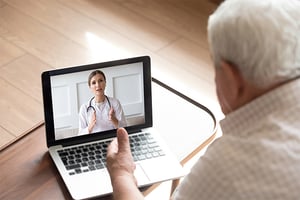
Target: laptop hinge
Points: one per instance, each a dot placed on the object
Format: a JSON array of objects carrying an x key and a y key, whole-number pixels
[{"x": 134, "y": 131}]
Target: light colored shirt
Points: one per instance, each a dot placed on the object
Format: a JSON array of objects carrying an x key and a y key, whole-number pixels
[
  {"x": 258, "y": 155},
  {"x": 103, "y": 122}
]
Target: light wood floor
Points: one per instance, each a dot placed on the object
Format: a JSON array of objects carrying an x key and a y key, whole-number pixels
[{"x": 36, "y": 35}]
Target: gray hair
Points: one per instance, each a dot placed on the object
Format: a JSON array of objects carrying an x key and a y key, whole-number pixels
[{"x": 260, "y": 37}]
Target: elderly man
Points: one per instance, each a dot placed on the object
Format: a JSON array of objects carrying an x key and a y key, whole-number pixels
[{"x": 255, "y": 46}]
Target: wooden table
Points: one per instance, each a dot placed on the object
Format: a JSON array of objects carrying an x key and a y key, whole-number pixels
[{"x": 27, "y": 171}]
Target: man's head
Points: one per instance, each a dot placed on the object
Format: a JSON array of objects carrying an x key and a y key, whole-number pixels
[{"x": 255, "y": 46}]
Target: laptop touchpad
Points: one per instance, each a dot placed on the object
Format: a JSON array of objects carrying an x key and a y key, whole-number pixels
[{"x": 140, "y": 175}]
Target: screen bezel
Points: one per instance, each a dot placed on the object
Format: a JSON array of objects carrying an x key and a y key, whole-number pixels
[{"x": 48, "y": 108}]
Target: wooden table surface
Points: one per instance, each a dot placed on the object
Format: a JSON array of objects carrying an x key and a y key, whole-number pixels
[{"x": 27, "y": 171}]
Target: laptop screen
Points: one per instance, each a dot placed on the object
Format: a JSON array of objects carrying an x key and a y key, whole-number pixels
[{"x": 89, "y": 102}]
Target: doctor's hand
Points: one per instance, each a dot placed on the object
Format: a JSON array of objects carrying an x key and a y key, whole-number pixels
[
  {"x": 111, "y": 114},
  {"x": 121, "y": 168},
  {"x": 112, "y": 118},
  {"x": 92, "y": 122}
]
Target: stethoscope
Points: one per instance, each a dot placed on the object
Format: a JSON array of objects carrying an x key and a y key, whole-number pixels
[{"x": 92, "y": 107}]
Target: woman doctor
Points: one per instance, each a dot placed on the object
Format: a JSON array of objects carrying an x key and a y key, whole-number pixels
[{"x": 101, "y": 112}]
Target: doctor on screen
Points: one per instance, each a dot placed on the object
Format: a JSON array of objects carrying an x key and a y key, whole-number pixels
[{"x": 101, "y": 112}]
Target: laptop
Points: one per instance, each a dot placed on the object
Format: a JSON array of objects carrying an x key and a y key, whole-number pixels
[{"x": 80, "y": 156}]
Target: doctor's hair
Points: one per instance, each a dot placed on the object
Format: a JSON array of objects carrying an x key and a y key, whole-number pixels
[
  {"x": 260, "y": 38},
  {"x": 93, "y": 73}
]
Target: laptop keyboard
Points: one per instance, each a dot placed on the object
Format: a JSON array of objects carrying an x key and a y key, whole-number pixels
[{"x": 92, "y": 157}]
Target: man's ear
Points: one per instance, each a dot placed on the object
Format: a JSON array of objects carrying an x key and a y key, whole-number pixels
[{"x": 234, "y": 79}]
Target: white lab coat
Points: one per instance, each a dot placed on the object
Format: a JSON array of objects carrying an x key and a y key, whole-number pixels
[{"x": 102, "y": 116}]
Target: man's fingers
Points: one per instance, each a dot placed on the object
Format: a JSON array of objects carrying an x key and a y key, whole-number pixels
[
  {"x": 123, "y": 140},
  {"x": 112, "y": 148}
]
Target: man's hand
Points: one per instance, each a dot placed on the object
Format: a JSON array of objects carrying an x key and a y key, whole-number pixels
[
  {"x": 119, "y": 158},
  {"x": 121, "y": 168}
]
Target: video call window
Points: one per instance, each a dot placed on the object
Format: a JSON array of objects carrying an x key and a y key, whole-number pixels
[{"x": 79, "y": 107}]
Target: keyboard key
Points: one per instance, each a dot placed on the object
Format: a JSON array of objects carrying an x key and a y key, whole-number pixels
[
  {"x": 84, "y": 164},
  {"x": 63, "y": 154},
  {"x": 70, "y": 167},
  {"x": 99, "y": 166}
]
